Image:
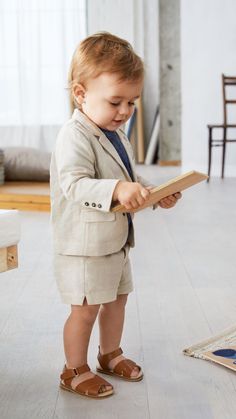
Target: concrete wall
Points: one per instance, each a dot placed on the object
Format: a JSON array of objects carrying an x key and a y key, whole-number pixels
[
  {"x": 208, "y": 48},
  {"x": 170, "y": 88}
]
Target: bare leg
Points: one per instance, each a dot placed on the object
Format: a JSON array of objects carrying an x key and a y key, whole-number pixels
[
  {"x": 77, "y": 331},
  {"x": 111, "y": 321}
]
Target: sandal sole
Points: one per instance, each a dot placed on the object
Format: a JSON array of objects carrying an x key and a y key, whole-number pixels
[
  {"x": 105, "y": 394},
  {"x": 119, "y": 376}
]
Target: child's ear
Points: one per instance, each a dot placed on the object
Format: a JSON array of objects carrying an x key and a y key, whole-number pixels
[{"x": 79, "y": 93}]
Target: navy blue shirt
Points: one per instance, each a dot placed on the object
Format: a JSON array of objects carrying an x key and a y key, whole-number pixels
[{"x": 114, "y": 138}]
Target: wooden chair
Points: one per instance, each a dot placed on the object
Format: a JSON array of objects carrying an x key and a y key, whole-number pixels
[{"x": 227, "y": 81}]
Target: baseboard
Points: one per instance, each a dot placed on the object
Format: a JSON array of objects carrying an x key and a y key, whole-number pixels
[{"x": 169, "y": 162}]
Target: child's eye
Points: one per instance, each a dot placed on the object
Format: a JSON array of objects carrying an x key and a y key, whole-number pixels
[{"x": 117, "y": 104}]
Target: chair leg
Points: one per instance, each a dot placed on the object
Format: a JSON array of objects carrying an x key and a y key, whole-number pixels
[
  {"x": 223, "y": 155},
  {"x": 223, "y": 161},
  {"x": 209, "y": 152}
]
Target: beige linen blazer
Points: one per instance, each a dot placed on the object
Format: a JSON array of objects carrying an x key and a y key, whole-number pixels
[{"x": 85, "y": 169}]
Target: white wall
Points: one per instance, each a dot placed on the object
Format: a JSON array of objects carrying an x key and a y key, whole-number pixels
[
  {"x": 136, "y": 21},
  {"x": 112, "y": 16},
  {"x": 208, "y": 48}
]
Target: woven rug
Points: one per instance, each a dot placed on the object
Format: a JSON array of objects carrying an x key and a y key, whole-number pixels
[{"x": 220, "y": 349}]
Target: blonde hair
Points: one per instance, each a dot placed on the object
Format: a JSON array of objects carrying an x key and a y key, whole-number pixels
[{"x": 103, "y": 52}]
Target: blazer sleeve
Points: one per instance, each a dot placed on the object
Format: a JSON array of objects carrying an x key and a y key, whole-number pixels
[{"x": 75, "y": 162}]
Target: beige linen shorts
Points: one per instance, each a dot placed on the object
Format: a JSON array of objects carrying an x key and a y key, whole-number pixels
[{"x": 99, "y": 279}]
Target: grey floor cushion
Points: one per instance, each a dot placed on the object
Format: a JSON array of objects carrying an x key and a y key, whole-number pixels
[{"x": 25, "y": 163}]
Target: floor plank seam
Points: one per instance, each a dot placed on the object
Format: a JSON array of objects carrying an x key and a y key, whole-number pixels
[
  {"x": 142, "y": 349},
  {"x": 188, "y": 275},
  {"x": 19, "y": 296},
  {"x": 55, "y": 408}
]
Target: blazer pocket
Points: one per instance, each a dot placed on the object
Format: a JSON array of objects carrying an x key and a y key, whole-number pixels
[{"x": 91, "y": 216}]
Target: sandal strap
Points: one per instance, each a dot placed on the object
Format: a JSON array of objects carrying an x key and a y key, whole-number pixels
[
  {"x": 92, "y": 386},
  {"x": 69, "y": 373},
  {"x": 125, "y": 367},
  {"x": 106, "y": 358}
]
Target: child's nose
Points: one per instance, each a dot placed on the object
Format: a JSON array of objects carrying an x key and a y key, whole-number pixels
[{"x": 124, "y": 109}]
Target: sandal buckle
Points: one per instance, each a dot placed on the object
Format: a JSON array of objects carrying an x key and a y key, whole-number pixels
[{"x": 75, "y": 371}]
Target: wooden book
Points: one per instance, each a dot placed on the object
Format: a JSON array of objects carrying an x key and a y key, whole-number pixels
[
  {"x": 174, "y": 185},
  {"x": 140, "y": 134}
]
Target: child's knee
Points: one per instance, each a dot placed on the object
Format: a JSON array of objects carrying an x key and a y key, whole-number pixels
[{"x": 86, "y": 312}]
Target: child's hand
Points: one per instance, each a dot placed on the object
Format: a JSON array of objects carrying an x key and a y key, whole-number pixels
[
  {"x": 130, "y": 194},
  {"x": 170, "y": 201}
]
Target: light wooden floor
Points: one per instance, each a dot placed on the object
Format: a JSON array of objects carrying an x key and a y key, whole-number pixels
[
  {"x": 184, "y": 266},
  {"x": 26, "y": 196}
]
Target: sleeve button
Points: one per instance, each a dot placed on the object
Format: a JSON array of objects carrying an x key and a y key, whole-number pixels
[
  {"x": 99, "y": 206},
  {"x": 93, "y": 204},
  {"x": 86, "y": 203}
]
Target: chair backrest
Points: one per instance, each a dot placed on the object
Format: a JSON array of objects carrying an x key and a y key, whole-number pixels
[{"x": 228, "y": 81}]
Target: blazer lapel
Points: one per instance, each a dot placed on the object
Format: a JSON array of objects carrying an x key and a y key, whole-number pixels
[
  {"x": 112, "y": 151},
  {"x": 105, "y": 143}
]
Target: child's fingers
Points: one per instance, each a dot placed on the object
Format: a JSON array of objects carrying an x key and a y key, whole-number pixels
[
  {"x": 135, "y": 196},
  {"x": 135, "y": 204},
  {"x": 178, "y": 195},
  {"x": 137, "y": 201},
  {"x": 132, "y": 204},
  {"x": 169, "y": 200},
  {"x": 140, "y": 200},
  {"x": 127, "y": 205},
  {"x": 173, "y": 198}
]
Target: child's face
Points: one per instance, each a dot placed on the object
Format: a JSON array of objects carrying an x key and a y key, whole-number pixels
[{"x": 108, "y": 102}]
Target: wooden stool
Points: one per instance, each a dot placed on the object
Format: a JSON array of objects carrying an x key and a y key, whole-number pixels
[{"x": 8, "y": 258}]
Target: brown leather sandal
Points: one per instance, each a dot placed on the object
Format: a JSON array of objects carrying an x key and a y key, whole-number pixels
[
  {"x": 93, "y": 387},
  {"x": 122, "y": 370}
]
